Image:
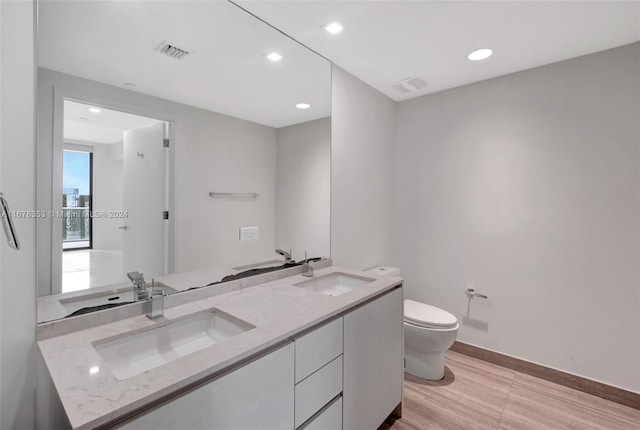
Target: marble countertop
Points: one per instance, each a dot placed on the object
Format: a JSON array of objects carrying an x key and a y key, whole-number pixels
[{"x": 278, "y": 310}]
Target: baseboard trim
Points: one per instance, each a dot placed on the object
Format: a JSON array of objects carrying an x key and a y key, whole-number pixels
[{"x": 608, "y": 392}]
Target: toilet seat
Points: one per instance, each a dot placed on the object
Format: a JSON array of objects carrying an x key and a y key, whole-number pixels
[{"x": 427, "y": 316}]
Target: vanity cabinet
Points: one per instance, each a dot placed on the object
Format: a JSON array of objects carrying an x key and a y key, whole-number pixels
[
  {"x": 318, "y": 378},
  {"x": 329, "y": 418},
  {"x": 347, "y": 374},
  {"x": 373, "y": 362},
  {"x": 317, "y": 348},
  {"x": 259, "y": 395}
]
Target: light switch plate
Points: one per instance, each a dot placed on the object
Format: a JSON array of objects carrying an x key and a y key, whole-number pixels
[{"x": 248, "y": 233}]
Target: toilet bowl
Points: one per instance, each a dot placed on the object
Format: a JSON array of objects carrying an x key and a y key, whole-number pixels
[{"x": 428, "y": 333}]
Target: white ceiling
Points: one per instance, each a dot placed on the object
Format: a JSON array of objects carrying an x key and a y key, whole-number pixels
[
  {"x": 387, "y": 41},
  {"x": 226, "y": 71},
  {"x": 384, "y": 42},
  {"x": 83, "y": 126}
]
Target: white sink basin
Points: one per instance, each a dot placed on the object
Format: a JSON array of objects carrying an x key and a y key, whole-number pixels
[
  {"x": 133, "y": 354},
  {"x": 334, "y": 284}
]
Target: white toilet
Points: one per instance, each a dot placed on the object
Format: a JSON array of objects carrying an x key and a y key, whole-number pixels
[{"x": 428, "y": 334}]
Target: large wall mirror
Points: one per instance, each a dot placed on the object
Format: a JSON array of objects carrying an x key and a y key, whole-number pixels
[{"x": 173, "y": 137}]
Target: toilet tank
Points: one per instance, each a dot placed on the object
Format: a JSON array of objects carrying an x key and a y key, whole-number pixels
[{"x": 385, "y": 271}]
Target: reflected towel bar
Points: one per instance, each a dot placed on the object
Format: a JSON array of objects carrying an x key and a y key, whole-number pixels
[
  {"x": 471, "y": 294},
  {"x": 251, "y": 195}
]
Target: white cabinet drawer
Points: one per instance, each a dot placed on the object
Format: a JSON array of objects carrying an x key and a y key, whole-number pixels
[
  {"x": 317, "y": 348},
  {"x": 329, "y": 419},
  {"x": 259, "y": 395},
  {"x": 317, "y": 390}
]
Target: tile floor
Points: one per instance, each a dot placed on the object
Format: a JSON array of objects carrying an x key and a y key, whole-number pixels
[
  {"x": 478, "y": 395},
  {"x": 86, "y": 269}
]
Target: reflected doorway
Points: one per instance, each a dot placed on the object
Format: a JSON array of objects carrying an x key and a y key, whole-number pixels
[
  {"x": 77, "y": 167},
  {"x": 115, "y": 192}
]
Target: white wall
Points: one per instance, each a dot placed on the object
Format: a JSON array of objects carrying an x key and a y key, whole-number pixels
[
  {"x": 303, "y": 188},
  {"x": 208, "y": 148},
  {"x": 526, "y": 187},
  {"x": 17, "y": 181},
  {"x": 362, "y": 173},
  {"x": 208, "y": 227}
]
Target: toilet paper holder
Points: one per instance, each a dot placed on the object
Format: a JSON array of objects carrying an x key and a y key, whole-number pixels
[{"x": 471, "y": 294}]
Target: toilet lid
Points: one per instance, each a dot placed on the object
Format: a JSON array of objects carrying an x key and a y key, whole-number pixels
[{"x": 424, "y": 315}]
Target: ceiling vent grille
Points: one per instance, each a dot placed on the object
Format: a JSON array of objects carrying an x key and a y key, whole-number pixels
[
  {"x": 409, "y": 85},
  {"x": 171, "y": 50}
]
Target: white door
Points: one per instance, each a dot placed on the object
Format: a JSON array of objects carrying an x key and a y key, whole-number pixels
[{"x": 144, "y": 232}]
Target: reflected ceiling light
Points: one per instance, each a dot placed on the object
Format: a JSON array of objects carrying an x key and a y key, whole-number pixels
[
  {"x": 93, "y": 370},
  {"x": 94, "y": 110},
  {"x": 334, "y": 27},
  {"x": 480, "y": 54},
  {"x": 274, "y": 56},
  {"x": 303, "y": 106}
]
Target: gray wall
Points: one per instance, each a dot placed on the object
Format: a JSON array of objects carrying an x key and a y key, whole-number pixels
[
  {"x": 526, "y": 187},
  {"x": 17, "y": 181},
  {"x": 303, "y": 187},
  {"x": 362, "y": 173}
]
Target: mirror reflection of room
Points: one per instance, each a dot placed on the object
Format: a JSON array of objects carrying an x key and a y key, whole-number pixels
[{"x": 195, "y": 168}]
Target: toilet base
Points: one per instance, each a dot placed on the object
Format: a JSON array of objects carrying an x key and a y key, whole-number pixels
[{"x": 428, "y": 366}]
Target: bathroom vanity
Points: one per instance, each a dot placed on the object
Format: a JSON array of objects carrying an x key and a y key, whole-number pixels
[{"x": 298, "y": 352}]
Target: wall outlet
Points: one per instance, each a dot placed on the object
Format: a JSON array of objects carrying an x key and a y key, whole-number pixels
[{"x": 248, "y": 233}]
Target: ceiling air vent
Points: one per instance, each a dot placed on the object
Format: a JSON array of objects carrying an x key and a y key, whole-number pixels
[
  {"x": 409, "y": 85},
  {"x": 171, "y": 50}
]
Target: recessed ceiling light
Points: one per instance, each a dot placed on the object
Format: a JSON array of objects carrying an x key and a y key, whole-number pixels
[
  {"x": 94, "y": 110},
  {"x": 480, "y": 54},
  {"x": 303, "y": 106},
  {"x": 334, "y": 27},
  {"x": 274, "y": 56},
  {"x": 94, "y": 369}
]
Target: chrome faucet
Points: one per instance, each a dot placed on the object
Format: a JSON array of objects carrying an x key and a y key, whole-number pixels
[
  {"x": 285, "y": 254},
  {"x": 307, "y": 270},
  {"x": 156, "y": 302},
  {"x": 139, "y": 286}
]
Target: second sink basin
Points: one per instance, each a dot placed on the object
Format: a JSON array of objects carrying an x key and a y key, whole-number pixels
[
  {"x": 334, "y": 284},
  {"x": 133, "y": 354}
]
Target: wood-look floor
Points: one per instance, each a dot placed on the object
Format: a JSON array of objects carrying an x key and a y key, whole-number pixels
[{"x": 478, "y": 395}]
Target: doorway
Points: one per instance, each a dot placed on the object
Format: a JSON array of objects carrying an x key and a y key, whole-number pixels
[{"x": 115, "y": 169}]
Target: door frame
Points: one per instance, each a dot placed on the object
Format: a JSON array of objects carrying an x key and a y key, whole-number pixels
[{"x": 54, "y": 275}]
